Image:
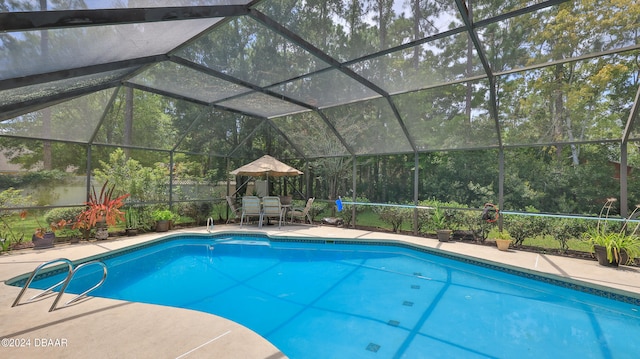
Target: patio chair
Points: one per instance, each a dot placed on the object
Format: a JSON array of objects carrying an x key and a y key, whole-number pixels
[
  {"x": 237, "y": 212},
  {"x": 250, "y": 208},
  {"x": 303, "y": 212},
  {"x": 271, "y": 207}
]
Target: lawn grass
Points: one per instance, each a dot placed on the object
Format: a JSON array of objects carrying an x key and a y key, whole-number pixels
[
  {"x": 370, "y": 219},
  {"x": 16, "y": 226},
  {"x": 552, "y": 243},
  {"x": 25, "y": 227}
]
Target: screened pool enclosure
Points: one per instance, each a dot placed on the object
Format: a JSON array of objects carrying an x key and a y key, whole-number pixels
[{"x": 526, "y": 104}]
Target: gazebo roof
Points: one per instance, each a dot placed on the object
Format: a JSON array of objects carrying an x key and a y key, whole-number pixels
[{"x": 266, "y": 165}]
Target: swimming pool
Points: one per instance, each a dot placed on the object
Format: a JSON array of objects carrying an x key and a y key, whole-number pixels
[{"x": 348, "y": 299}]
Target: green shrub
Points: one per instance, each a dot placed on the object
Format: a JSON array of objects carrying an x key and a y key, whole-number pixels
[
  {"x": 68, "y": 232},
  {"x": 199, "y": 212},
  {"x": 472, "y": 220},
  {"x": 145, "y": 220},
  {"x": 424, "y": 218},
  {"x": 130, "y": 176},
  {"x": 68, "y": 214},
  {"x": 12, "y": 197},
  {"x": 522, "y": 227},
  {"x": 394, "y": 216},
  {"x": 316, "y": 209},
  {"x": 439, "y": 217},
  {"x": 565, "y": 229}
]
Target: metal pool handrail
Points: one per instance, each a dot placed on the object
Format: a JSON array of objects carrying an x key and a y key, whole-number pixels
[
  {"x": 33, "y": 275},
  {"x": 68, "y": 280},
  {"x": 65, "y": 282}
]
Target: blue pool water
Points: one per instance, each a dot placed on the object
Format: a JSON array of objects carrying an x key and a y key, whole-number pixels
[{"x": 316, "y": 300}]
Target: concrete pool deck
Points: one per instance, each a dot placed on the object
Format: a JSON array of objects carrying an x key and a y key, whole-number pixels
[{"x": 106, "y": 328}]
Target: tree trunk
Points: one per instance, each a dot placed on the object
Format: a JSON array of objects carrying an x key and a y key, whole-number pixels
[
  {"x": 47, "y": 153},
  {"x": 417, "y": 15},
  {"x": 467, "y": 108},
  {"x": 558, "y": 109},
  {"x": 128, "y": 119}
]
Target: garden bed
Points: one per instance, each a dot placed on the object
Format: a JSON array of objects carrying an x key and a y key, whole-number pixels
[{"x": 534, "y": 249}]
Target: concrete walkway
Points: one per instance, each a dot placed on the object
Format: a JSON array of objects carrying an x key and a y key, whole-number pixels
[{"x": 105, "y": 328}]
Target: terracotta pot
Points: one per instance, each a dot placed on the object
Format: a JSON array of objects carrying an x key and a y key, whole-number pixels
[{"x": 503, "y": 244}]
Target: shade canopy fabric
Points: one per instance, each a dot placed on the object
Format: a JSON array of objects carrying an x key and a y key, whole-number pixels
[{"x": 266, "y": 165}]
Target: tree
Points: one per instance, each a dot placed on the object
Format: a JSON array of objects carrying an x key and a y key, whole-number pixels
[{"x": 127, "y": 175}]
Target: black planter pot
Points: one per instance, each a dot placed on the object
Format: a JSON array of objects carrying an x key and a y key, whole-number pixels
[
  {"x": 45, "y": 242},
  {"x": 601, "y": 255},
  {"x": 624, "y": 257}
]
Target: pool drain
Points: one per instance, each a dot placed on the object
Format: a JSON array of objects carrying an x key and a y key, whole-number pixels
[{"x": 373, "y": 347}]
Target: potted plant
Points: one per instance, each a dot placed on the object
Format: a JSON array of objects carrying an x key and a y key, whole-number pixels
[
  {"x": 68, "y": 214},
  {"x": 605, "y": 247},
  {"x": 612, "y": 248},
  {"x": 132, "y": 219},
  {"x": 162, "y": 218},
  {"x": 503, "y": 240},
  {"x": 101, "y": 211},
  {"x": 44, "y": 237},
  {"x": 439, "y": 221}
]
